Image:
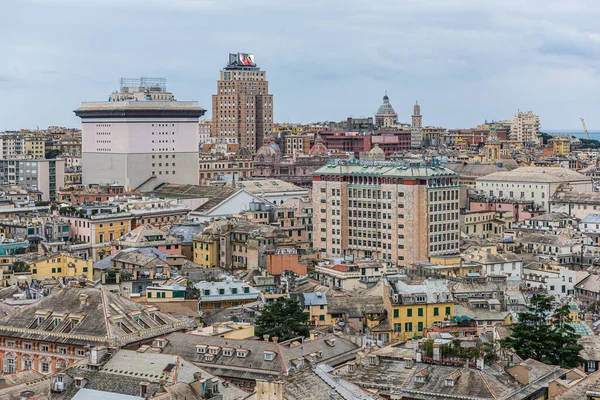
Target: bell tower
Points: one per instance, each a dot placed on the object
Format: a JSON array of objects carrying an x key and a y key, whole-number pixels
[{"x": 417, "y": 118}]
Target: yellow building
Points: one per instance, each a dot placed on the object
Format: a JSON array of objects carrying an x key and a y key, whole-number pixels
[
  {"x": 34, "y": 146},
  {"x": 206, "y": 250},
  {"x": 165, "y": 293},
  {"x": 414, "y": 307},
  {"x": 59, "y": 265},
  {"x": 561, "y": 145},
  {"x": 98, "y": 228}
]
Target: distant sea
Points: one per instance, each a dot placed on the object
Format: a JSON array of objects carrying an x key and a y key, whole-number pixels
[{"x": 579, "y": 134}]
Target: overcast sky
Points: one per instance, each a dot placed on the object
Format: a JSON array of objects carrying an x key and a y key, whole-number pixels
[{"x": 463, "y": 60}]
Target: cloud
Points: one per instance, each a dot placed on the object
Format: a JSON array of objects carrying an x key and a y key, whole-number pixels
[{"x": 465, "y": 60}]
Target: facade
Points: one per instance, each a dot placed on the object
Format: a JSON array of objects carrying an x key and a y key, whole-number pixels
[
  {"x": 140, "y": 138},
  {"x": 242, "y": 108},
  {"x": 537, "y": 184},
  {"x": 220, "y": 167},
  {"x": 59, "y": 265},
  {"x": 297, "y": 144},
  {"x": 47, "y": 176},
  {"x": 414, "y": 307},
  {"x": 403, "y": 214},
  {"x": 97, "y": 228},
  {"x": 526, "y": 128}
]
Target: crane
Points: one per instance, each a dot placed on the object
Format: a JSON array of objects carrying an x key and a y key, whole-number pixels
[{"x": 585, "y": 129}]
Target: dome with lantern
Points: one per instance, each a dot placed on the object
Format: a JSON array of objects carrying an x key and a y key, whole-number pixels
[
  {"x": 319, "y": 148},
  {"x": 269, "y": 148}
]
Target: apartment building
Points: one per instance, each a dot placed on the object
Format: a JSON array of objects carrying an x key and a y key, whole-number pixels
[
  {"x": 47, "y": 176},
  {"x": 97, "y": 227},
  {"x": 412, "y": 308},
  {"x": 386, "y": 210},
  {"x": 526, "y": 128}
]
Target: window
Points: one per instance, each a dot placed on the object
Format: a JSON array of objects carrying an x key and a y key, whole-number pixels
[
  {"x": 62, "y": 350},
  {"x": 408, "y": 327},
  {"x": 396, "y": 313},
  {"x": 80, "y": 352},
  {"x": 409, "y": 312},
  {"x": 45, "y": 367},
  {"x": 420, "y": 327},
  {"x": 10, "y": 343},
  {"x": 200, "y": 350},
  {"x": 45, "y": 347},
  {"x": 27, "y": 363},
  {"x": 420, "y": 312},
  {"x": 27, "y": 346},
  {"x": 228, "y": 353},
  {"x": 436, "y": 311},
  {"x": 448, "y": 310}
]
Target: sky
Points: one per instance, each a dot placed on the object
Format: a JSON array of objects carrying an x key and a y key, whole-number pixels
[{"x": 465, "y": 61}]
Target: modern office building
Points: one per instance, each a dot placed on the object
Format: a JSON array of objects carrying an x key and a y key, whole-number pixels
[
  {"x": 526, "y": 128},
  {"x": 141, "y": 137},
  {"x": 242, "y": 108},
  {"x": 386, "y": 210}
]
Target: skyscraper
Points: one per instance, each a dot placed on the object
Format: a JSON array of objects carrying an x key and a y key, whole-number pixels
[
  {"x": 141, "y": 137},
  {"x": 242, "y": 108}
]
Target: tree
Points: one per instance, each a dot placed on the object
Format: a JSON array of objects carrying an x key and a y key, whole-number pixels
[
  {"x": 52, "y": 154},
  {"x": 283, "y": 319},
  {"x": 544, "y": 334}
]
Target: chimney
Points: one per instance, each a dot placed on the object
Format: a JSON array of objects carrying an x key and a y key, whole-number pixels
[
  {"x": 84, "y": 299},
  {"x": 266, "y": 337},
  {"x": 275, "y": 339}
]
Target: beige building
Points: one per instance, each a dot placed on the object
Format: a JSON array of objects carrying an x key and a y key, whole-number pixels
[
  {"x": 242, "y": 107},
  {"x": 537, "y": 184},
  {"x": 526, "y": 128},
  {"x": 385, "y": 210},
  {"x": 140, "y": 138}
]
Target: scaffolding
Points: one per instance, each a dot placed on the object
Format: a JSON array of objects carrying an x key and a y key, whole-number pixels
[{"x": 157, "y": 85}]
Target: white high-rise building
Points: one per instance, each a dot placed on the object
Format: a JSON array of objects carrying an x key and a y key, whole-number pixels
[
  {"x": 141, "y": 137},
  {"x": 526, "y": 128}
]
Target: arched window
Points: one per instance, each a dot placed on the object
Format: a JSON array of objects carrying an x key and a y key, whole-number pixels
[{"x": 27, "y": 362}]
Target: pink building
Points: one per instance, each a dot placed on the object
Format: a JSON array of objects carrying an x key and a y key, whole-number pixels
[{"x": 521, "y": 210}]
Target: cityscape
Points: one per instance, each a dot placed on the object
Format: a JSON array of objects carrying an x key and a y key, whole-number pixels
[{"x": 202, "y": 248}]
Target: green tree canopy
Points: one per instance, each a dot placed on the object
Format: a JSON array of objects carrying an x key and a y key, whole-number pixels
[
  {"x": 544, "y": 334},
  {"x": 283, "y": 319}
]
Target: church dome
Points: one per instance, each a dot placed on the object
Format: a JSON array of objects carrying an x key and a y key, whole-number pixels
[
  {"x": 319, "y": 148},
  {"x": 386, "y": 108},
  {"x": 269, "y": 148},
  {"x": 376, "y": 149}
]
